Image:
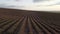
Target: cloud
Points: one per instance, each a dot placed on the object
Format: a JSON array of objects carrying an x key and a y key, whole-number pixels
[
  {"x": 36, "y": 1},
  {"x": 30, "y": 5}
]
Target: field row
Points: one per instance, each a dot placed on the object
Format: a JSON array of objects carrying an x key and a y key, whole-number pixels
[{"x": 28, "y": 25}]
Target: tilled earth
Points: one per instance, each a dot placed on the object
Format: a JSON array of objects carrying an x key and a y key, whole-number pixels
[{"x": 28, "y": 22}]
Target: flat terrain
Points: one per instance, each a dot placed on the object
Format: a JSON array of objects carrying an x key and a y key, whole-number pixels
[{"x": 14, "y": 21}]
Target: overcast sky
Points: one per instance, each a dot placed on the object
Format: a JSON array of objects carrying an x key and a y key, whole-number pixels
[
  {"x": 49, "y": 5},
  {"x": 27, "y": 2}
]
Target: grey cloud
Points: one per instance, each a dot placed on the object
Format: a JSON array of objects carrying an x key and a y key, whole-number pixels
[
  {"x": 9, "y": 6},
  {"x": 39, "y": 0}
]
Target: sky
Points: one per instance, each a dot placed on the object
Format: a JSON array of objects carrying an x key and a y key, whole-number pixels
[{"x": 39, "y": 5}]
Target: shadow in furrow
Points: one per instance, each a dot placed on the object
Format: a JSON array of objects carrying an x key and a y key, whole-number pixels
[
  {"x": 5, "y": 20},
  {"x": 13, "y": 26},
  {"x": 5, "y": 23},
  {"x": 27, "y": 27},
  {"x": 19, "y": 26},
  {"x": 30, "y": 26},
  {"x": 39, "y": 30},
  {"x": 7, "y": 27},
  {"x": 48, "y": 28},
  {"x": 23, "y": 27},
  {"x": 51, "y": 26},
  {"x": 34, "y": 28},
  {"x": 50, "y": 23},
  {"x": 45, "y": 31}
]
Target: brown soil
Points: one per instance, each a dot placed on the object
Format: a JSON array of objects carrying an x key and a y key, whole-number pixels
[{"x": 13, "y": 21}]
